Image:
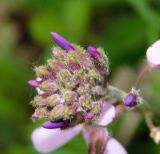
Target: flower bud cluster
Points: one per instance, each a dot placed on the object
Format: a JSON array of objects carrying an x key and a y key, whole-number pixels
[{"x": 70, "y": 86}]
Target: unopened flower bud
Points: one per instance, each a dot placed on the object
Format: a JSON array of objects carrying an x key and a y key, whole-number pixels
[
  {"x": 60, "y": 55},
  {"x": 55, "y": 65},
  {"x": 70, "y": 97},
  {"x": 64, "y": 44},
  {"x": 130, "y": 100},
  {"x": 83, "y": 89},
  {"x": 79, "y": 76},
  {"x": 97, "y": 108},
  {"x": 53, "y": 100},
  {"x": 155, "y": 134},
  {"x": 57, "y": 112},
  {"x": 94, "y": 53},
  {"x": 66, "y": 80},
  {"x": 92, "y": 76},
  {"x": 70, "y": 110},
  {"x": 84, "y": 102},
  {"x": 64, "y": 76},
  {"x": 100, "y": 59},
  {"x": 42, "y": 112},
  {"x": 49, "y": 85},
  {"x": 39, "y": 101},
  {"x": 153, "y": 55},
  {"x": 42, "y": 71},
  {"x": 73, "y": 60}
]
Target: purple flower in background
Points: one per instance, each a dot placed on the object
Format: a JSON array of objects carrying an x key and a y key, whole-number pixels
[
  {"x": 71, "y": 88},
  {"x": 153, "y": 56}
]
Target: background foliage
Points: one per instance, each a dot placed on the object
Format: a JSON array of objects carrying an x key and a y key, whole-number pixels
[{"x": 123, "y": 27}]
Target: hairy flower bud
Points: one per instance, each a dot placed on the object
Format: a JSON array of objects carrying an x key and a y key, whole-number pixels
[
  {"x": 84, "y": 101},
  {"x": 55, "y": 65},
  {"x": 70, "y": 110},
  {"x": 38, "y": 101},
  {"x": 70, "y": 97},
  {"x": 42, "y": 71},
  {"x": 53, "y": 100},
  {"x": 49, "y": 85},
  {"x": 42, "y": 112},
  {"x": 57, "y": 112},
  {"x": 132, "y": 99}
]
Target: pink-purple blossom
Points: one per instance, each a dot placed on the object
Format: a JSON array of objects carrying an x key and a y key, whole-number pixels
[
  {"x": 70, "y": 97},
  {"x": 47, "y": 140},
  {"x": 153, "y": 55}
]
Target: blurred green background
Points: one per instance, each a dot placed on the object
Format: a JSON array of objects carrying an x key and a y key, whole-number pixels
[{"x": 125, "y": 28}]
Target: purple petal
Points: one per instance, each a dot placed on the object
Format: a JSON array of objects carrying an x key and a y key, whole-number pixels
[
  {"x": 114, "y": 147},
  {"x": 35, "y": 116},
  {"x": 94, "y": 53},
  {"x": 64, "y": 44},
  {"x": 33, "y": 83},
  {"x": 53, "y": 125},
  {"x": 47, "y": 140},
  {"x": 108, "y": 113}
]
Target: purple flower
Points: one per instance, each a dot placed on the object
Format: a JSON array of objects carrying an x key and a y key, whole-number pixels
[
  {"x": 153, "y": 55},
  {"x": 69, "y": 83},
  {"x": 70, "y": 96},
  {"x": 94, "y": 53},
  {"x": 130, "y": 100},
  {"x": 64, "y": 44},
  {"x": 47, "y": 140}
]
